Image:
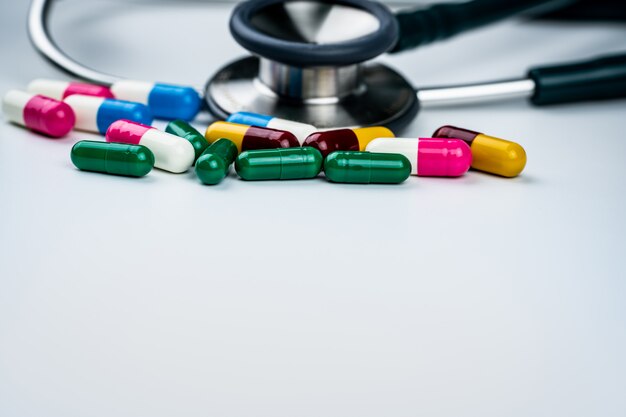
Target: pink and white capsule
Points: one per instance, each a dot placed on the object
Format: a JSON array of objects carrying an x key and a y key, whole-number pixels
[
  {"x": 61, "y": 89},
  {"x": 171, "y": 153},
  {"x": 38, "y": 113},
  {"x": 428, "y": 157}
]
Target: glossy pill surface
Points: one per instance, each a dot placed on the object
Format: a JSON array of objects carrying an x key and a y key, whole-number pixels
[
  {"x": 96, "y": 114},
  {"x": 166, "y": 101},
  {"x": 428, "y": 157},
  {"x": 250, "y": 137},
  {"x": 489, "y": 154},
  {"x": 38, "y": 113},
  {"x": 59, "y": 90},
  {"x": 279, "y": 164},
  {"x": 112, "y": 158},
  {"x": 366, "y": 167},
  {"x": 212, "y": 166},
  {"x": 184, "y": 130},
  {"x": 171, "y": 153},
  {"x": 300, "y": 130},
  {"x": 329, "y": 141}
]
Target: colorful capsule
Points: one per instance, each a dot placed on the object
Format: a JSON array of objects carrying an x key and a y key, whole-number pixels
[
  {"x": 367, "y": 167},
  {"x": 250, "y": 137},
  {"x": 165, "y": 101},
  {"x": 186, "y": 131},
  {"x": 330, "y": 141},
  {"x": 38, "y": 113},
  {"x": 428, "y": 157},
  {"x": 300, "y": 130},
  {"x": 489, "y": 154},
  {"x": 112, "y": 158},
  {"x": 212, "y": 166},
  {"x": 171, "y": 153},
  {"x": 59, "y": 90},
  {"x": 95, "y": 114},
  {"x": 279, "y": 164}
]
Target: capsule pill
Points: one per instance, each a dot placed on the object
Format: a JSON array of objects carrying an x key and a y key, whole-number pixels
[{"x": 489, "y": 154}]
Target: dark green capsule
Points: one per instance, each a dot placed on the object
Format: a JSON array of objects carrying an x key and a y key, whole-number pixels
[
  {"x": 112, "y": 158},
  {"x": 367, "y": 167},
  {"x": 213, "y": 164},
  {"x": 186, "y": 131},
  {"x": 279, "y": 164}
]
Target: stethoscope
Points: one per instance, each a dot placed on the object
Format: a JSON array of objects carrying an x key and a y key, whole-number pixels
[{"x": 311, "y": 62}]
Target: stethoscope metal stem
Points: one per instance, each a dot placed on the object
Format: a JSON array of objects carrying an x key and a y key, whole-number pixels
[
  {"x": 476, "y": 93},
  {"x": 312, "y": 84}
]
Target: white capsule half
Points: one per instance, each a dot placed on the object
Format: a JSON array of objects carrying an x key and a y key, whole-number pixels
[
  {"x": 59, "y": 90},
  {"x": 13, "y": 105},
  {"x": 130, "y": 90},
  {"x": 50, "y": 88},
  {"x": 403, "y": 146},
  {"x": 300, "y": 130},
  {"x": 86, "y": 111},
  {"x": 171, "y": 153}
]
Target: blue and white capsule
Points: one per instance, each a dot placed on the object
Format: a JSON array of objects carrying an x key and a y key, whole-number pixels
[
  {"x": 300, "y": 130},
  {"x": 96, "y": 114},
  {"x": 166, "y": 101}
]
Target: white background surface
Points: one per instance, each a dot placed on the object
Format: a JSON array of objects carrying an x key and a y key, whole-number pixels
[{"x": 477, "y": 296}]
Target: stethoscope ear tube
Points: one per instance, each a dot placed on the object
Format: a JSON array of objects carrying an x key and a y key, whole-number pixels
[
  {"x": 598, "y": 79},
  {"x": 445, "y": 20}
]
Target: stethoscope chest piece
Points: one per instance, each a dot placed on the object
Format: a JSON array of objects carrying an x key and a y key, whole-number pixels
[{"x": 310, "y": 65}]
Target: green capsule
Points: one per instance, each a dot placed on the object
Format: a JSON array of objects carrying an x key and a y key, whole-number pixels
[
  {"x": 213, "y": 164},
  {"x": 279, "y": 164},
  {"x": 112, "y": 158},
  {"x": 186, "y": 131},
  {"x": 367, "y": 167}
]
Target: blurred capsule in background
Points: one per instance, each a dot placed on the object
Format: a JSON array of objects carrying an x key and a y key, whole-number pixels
[
  {"x": 489, "y": 154},
  {"x": 428, "y": 157},
  {"x": 366, "y": 167},
  {"x": 171, "y": 153},
  {"x": 166, "y": 101},
  {"x": 300, "y": 130},
  {"x": 329, "y": 141},
  {"x": 279, "y": 164},
  {"x": 61, "y": 89},
  {"x": 38, "y": 113},
  {"x": 184, "y": 130},
  {"x": 212, "y": 166},
  {"x": 96, "y": 114},
  {"x": 112, "y": 158},
  {"x": 250, "y": 137}
]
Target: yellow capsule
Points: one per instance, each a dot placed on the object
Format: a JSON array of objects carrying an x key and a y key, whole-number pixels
[
  {"x": 367, "y": 134},
  {"x": 489, "y": 154},
  {"x": 234, "y": 132}
]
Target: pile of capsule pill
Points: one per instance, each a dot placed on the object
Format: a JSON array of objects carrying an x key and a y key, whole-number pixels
[{"x": 261, "y": 147}]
